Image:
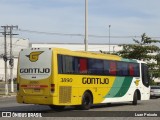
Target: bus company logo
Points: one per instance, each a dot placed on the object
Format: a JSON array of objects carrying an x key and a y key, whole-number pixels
[
  {"x": 33, "y": 56},
  {"x": 137, "y": 82}
]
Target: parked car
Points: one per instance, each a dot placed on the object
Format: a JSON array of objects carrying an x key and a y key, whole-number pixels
[{"x": 155, "y": 91}]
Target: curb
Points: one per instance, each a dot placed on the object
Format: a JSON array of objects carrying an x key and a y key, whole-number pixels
[{"x": 7, "y": 96}]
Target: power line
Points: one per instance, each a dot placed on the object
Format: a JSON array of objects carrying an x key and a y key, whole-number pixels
[
  {"x": 80, "y": 35},
  {"x": 50, "y": 33}
]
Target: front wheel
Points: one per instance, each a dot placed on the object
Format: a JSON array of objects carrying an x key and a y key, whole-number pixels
[
  {"x": 135, "y": 98},
  {"x": 86, "y": 101}
]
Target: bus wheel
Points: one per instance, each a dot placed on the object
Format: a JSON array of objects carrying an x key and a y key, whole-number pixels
[
  {"x": 57, "y": 108},
  {"x": 135, "y": 97},
  {"x": 86, "y": 101}
]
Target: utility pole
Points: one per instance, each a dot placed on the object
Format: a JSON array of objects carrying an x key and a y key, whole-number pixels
[
  {"x": 5, "y": 58},
  {"x": 86, "y": 25},
  {"x": 11, "y": 62}
]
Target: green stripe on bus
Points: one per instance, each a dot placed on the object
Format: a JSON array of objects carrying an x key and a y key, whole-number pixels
[
  {"x": 128, "y": 60},
  {"x": 116, "y": 87},
  {"x": 125, "y": 86}
]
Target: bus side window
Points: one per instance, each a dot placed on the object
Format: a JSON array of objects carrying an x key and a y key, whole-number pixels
[
  {"x": 67, "y": 64},
  {"x": 95, "y": 66},
  {"x": 136, "y": 70},
  {"x": 131, "y": 69},
  {"x": 106, "y": 67},
  {"x": 113, "y": 68},
  {"x": 83, "y": 66},
  {"x": 76, "y": 65},
  {"x": 122, "y": 69},
  {"x": 60, "y": 64}
]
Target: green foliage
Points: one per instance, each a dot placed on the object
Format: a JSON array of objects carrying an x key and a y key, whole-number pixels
[
  {"x": 152, "y": 82},
  {"x": 145, "y": 49}
]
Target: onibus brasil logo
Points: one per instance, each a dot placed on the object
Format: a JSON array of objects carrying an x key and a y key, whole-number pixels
[{"x": 34, "y": 56}]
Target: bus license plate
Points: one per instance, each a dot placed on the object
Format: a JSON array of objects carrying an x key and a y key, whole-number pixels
[{"x": 37, "y": 90}]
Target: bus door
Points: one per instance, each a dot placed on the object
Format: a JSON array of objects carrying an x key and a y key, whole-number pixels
[{"x": 145, "y": 75}]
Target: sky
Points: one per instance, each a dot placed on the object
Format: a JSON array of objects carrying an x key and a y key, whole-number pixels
[{"x": 126, "y": 17}]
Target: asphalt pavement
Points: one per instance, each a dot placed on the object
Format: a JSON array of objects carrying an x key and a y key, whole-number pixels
[
  {"x": 116, "y": 111},
  {"x": 2, "y": 90},
  {"x": 9, "y": 104}
]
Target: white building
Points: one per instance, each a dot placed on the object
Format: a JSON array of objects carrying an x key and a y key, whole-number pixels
[
  {"x": 17, "y": 45},
  {"x": 94, "y": 47}
]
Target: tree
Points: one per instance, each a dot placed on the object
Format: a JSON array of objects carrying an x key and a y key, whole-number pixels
[
  {"x": 158, "y": 65},
  {"x": 145, "y": 49}
]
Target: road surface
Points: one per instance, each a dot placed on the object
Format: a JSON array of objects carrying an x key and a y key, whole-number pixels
[{"x": 151, "y": 106}]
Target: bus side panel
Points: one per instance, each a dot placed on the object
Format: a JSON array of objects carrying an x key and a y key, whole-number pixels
[
  {"x": 72, "y": 87},
  {"x": 136, "y": 85}
]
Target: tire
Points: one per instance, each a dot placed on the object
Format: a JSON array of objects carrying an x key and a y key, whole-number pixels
[
  {"x": 108, "y": 104},
  {"x": 57, "y": 108},
  {"x": 135, "y": 98},
  {"x": 87, "y": 101}
]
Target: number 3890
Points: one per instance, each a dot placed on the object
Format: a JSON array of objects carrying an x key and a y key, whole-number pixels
[{"x": 66, "y": 79}]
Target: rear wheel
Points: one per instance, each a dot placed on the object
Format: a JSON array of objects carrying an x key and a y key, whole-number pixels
[
  {"x": 57, "y": 108},
  {"x": 135, "y": 98},
  {"x": 86, "y": 101}
]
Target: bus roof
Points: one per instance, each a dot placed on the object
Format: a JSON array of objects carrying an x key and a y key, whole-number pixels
[
  {"x": 95, "y": 55},
  {"x": 91, "y": 54}
]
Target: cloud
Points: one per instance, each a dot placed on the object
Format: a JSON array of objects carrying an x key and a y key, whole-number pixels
[{"x": 67, "y": 16}]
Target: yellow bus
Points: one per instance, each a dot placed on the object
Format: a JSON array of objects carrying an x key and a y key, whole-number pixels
[{"x": 59, "y": 77}]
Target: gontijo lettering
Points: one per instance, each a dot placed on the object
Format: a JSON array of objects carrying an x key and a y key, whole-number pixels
[
  {"x": 89, "y": 80},
  {"x": 34, "y": 70}
]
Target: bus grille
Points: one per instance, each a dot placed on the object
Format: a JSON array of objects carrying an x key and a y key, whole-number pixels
[{"x": 65, "y": 94}]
